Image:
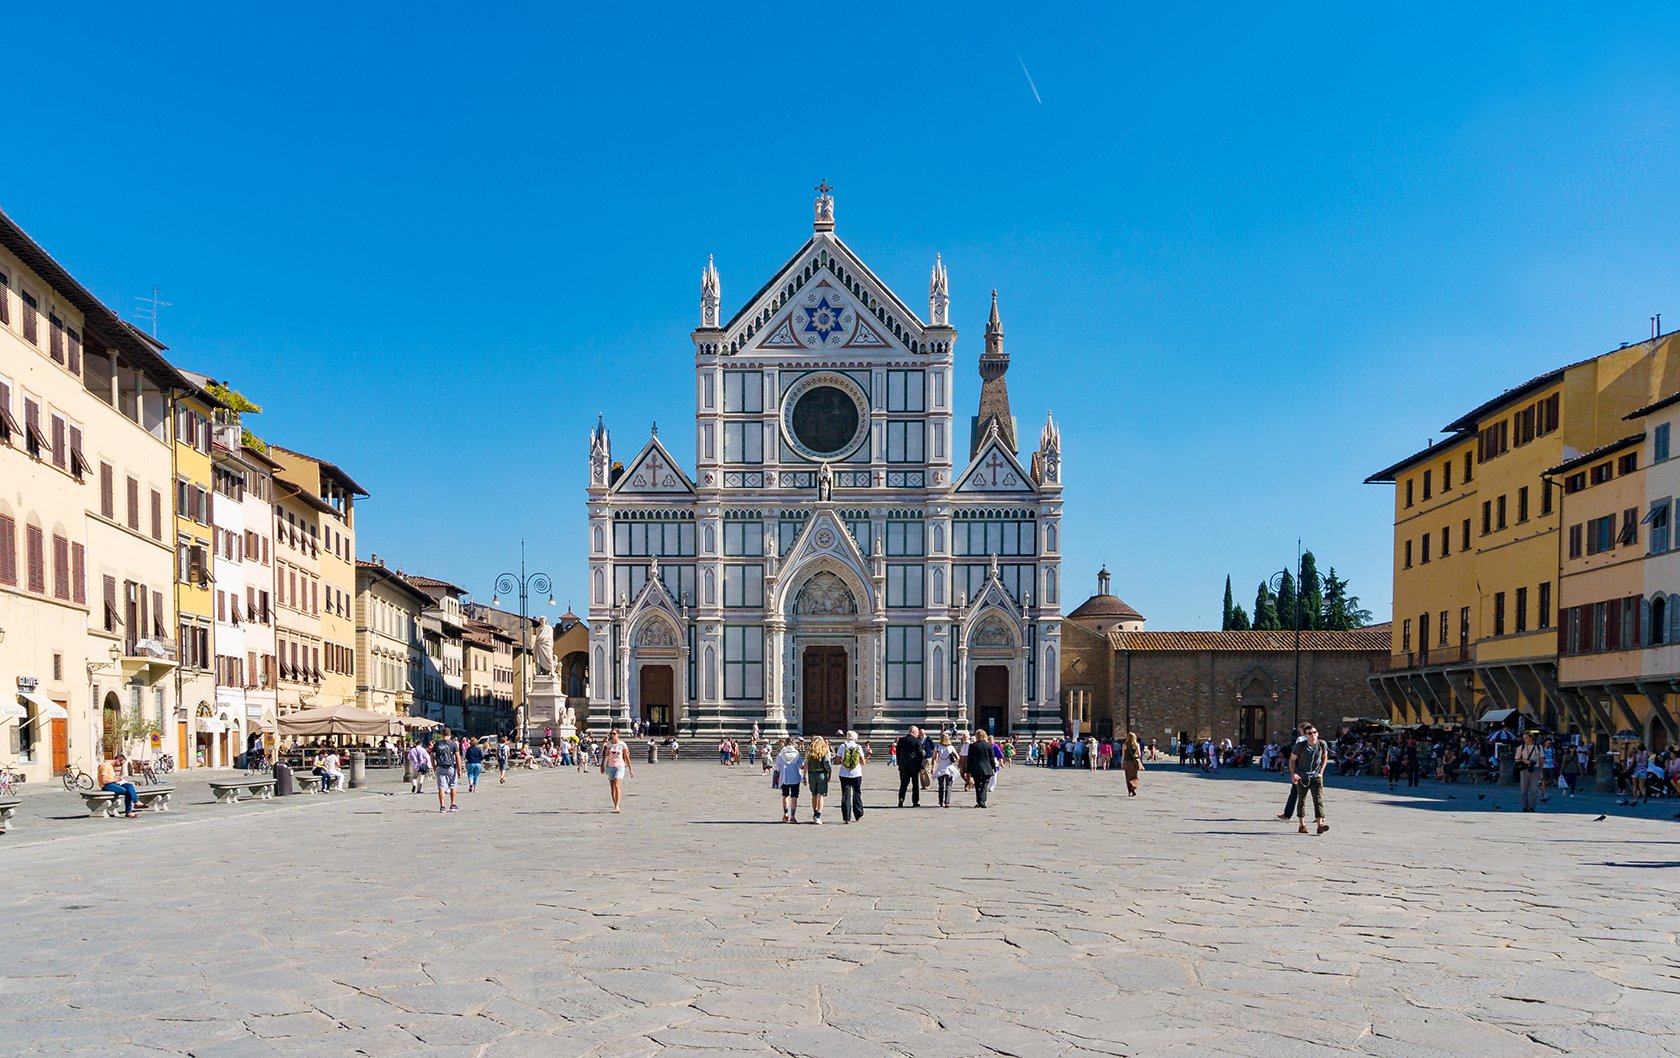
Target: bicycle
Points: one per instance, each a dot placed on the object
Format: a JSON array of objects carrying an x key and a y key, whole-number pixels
[
  {"x": 148, "y": 772},
  {"x": 164, "y": 764},
  {"x": 76, "y": 779},
  {"x": 7, "y": 778}
]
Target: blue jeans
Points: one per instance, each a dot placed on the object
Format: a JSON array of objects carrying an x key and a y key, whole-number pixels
[
  {"x": 473, "y": 772},
  {"x": 129, "y": 793}
]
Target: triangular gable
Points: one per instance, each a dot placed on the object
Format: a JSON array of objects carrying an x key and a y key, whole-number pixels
[
  {"x": 825, "y": 542},
  {"x": 653, "y": 472},
  {"x": 994, "y": 470},
  {"x": 653, "y": 597},
  {"x": 824, "y": 299},
  {"x": 992, "y": 598}
]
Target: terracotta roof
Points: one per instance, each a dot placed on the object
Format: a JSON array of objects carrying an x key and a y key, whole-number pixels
[
  {"x": 379, "y": 571},
  {"x": 433, "y": 582},
  {"x": 1105, "y": 606},
  {"x": 1370, "y": 639},
  {"x": 1598, "y": 453},
  {"x": 1388, "y": 473},
  {"x": 1657, "y": 405},
  {"x": 332, "y": 469}
]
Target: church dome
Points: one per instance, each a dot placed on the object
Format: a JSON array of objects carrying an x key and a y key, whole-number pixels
[{"x": 1106, "y": 611}]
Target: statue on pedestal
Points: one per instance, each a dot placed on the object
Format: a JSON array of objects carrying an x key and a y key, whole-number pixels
[{"x": 544, "y": 637}]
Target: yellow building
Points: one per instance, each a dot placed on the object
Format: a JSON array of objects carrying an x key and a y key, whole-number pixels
[
  {"x": 1619, "y": 616},
  {"x": 1477, "y": 544},
  {"x": 198, "y": 726},
  {"x": 334, "y": 555}
]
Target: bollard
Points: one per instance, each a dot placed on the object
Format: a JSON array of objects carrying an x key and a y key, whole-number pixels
[
  {"x": 1604, "y": 775},
  {"x": 358, "y": 769},
  {"x": 1507, "y": 764}
]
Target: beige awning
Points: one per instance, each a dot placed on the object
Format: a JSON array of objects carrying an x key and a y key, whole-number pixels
[
  {"x": 335, "y": 720},
  {"x": 47, "y": 709}
]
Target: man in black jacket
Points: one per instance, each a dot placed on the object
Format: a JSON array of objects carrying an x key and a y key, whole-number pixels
[
  {"x": 911, "y": 756},
  {"x": 982, "y": 765}
]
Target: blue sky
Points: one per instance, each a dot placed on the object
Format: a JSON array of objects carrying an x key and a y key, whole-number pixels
[{"x": 1248, "y": 256}]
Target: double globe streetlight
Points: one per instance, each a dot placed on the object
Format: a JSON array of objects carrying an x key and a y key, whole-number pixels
[{"x": 525, "y": 585}]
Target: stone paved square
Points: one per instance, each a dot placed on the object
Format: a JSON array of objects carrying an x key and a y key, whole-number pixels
[{"x": 1065, "y": 920}]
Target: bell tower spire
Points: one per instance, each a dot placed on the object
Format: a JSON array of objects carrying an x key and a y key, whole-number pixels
[
  {"x": 994, "y": 391},
  {"x": 711, "y": 294},
  {"x": 939, "y": 295}
]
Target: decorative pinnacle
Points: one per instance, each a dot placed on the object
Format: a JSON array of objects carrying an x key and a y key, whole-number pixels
[
  {"x": 994, "y": 337},
  {"x": 824, "y": 208},
  {"x": 711, "y": 294},
  {"x": 939, "y": 294}
]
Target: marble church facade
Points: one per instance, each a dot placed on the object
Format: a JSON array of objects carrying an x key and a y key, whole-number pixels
[{"x": 848, "y": 551}]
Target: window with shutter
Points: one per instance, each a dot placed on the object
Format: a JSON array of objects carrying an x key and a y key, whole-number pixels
[
  {"x": 8, "y": 425},
  {"x": 78, "y": 461},
  {"x": 134, "y": 504},
  {"x": 78, "y": 573},
  {"x": 5, "y": 299},
  {"x": 34, "y": 441},
  {"x": 8, "y": 550},
  {"x": 31, "y": 324},
  {"x": 55, "y": 338},
  {"x": 157, "y": 515},
  {"x": 75, "y": 357},
  {"x": 107, "y": 491},
  {"x": 60, "y": 450},
  {"x": 36, "y": 548},
  {"x": 111, "y": 618},
  {"x": 61, "y": 566},
  {"x": 158, "y": 616}
]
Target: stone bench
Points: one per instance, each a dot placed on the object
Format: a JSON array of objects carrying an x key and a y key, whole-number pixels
[
  {"x": 105, "y": 803},
  {"x": 307, "y": 783},
  {"x": 229, "y": 791},
  {"x": 8, "y": 809}
]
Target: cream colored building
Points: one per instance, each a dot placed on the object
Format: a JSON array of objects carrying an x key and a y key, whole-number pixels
[
  {"x": 86, "y": 608},
  {"x": 335, "y": 540},
  {"x": 388, "y": 646},
  {"x": 297, "y": 595}
]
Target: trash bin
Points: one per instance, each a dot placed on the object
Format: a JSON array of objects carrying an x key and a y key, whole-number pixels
[
  {"x": 284, "y": 785},
  {"x": 653, "y": 753},
  {"x": 358, "y": 769}
]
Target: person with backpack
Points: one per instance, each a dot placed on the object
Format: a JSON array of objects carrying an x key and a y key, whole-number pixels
[
  {"x": 819, "y": 765},
  {"x": 419, "y": 763},
  {"x": 446, "y": 757},
  {"x": 945, "y": 768},
  {"x": 851, "y": 778},
  {"x": 504, "y": 748}
]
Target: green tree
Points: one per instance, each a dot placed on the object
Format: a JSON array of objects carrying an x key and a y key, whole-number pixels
[
  {"x": 1342, "y": 611},
  {"x": 1225, "y": 622},
  {"x": 1265, "y": 608},
  {"x": 1239, "y": 619},
  {"x": 1312, "y": 593},
  {"x": 1286, "y": 602}
]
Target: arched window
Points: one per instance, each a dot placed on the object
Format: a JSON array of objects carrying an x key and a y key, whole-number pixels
[
  {"x": 1658, "y": 623},
  {"x": 711, "y": 588},
  {"x": 1050, "y": 586},
  {"x": 1051, "y": 676},
  {"x": 711, "y": 673},
  {"x": 711, "y": 541},
  {"x": 600, "y": 658},
  {"x": 1050, "y": 537},
  {"x": 1674, "y": 618},
  {"x": 938, "y": 586},
  {"x": 939, "y": 539},
  {"x": 938, "y": 673},
  {"x": 600, "y": 589},
  {"x": 600, "y": 540}
]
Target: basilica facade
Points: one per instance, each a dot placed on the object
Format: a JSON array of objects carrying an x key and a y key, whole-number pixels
[{"x": 848, "y": 551}]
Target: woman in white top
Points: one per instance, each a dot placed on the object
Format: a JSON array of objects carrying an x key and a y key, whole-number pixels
[
  {"x": 790, "y": 772},
  {"x": 945, "y": 768},
  {"x": 615, "y": 761}
]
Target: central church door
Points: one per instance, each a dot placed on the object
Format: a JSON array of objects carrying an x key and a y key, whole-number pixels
[
  {"x": 991, "y": 699},
  {"x": 823, "y": 691},
  {"x": 658, "y": 686}
]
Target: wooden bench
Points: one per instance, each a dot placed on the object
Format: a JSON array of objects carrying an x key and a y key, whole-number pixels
[
  {"x": 105, "y": 803},
  {"x": 8, "y": 809},
  {"x": 228, "y": 791}
]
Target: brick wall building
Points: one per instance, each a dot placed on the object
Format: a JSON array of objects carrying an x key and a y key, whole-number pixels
[{"x": 1212, "y": 684}]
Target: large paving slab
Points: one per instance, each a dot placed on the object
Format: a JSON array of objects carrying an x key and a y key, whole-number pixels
[{"x": 1065, "y": 920}]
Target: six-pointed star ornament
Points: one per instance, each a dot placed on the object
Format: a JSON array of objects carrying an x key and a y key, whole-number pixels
[{"x": 823, "y": 319}]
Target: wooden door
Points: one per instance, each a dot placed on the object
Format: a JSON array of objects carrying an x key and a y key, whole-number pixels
[
  {"x": 991, "y": 699},
  {"x": 60, "y": 746},
  {"x": 182, "y": 761},
  {"x": 823, "y": 690},
  {"x": 658, "y": 695}
]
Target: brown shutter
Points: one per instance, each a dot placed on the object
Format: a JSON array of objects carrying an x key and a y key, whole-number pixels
[
  {"x": 55, "y": 338},
  {"x": 107, "y": 491},
  {"x": 31, "y": 331},
  {"x": 134, "y": 504},
  {"x": 111, "y": 618},
  {"x": 37, "y": 559},
  {"x": 60, "y": 452},
  {"x": 158, "y": 614},
  {"x": 8, "y": 550},
  {"x": 5, "y": 299},
  {"x": 61, "y": 566},
  {"x": 157, "y": 515},
  {"x": 75, "y": 364},
  {"x": 78, "y": 573}
]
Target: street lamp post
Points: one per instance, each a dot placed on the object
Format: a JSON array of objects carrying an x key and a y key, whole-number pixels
[
  {"x": 524, "y": 584},
  {"x": 1276, "y": 582}
]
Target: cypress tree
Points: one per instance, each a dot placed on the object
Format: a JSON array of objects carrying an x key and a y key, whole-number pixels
[
  {"x": 1265, "y": 608},
  {"x": 1286, "y": 602},
  {"x": 1312, "y": 593},
  {"x": 1225, "y": 622},
  {"x": 1239, "y": 619}
]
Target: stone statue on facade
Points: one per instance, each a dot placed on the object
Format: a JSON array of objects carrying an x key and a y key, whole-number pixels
[
  {"x": 825, "y": 484},
  {"x": 543, "y": 634}
]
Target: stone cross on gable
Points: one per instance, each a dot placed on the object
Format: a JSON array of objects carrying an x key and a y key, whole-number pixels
[{"x": 995, "y": 464}]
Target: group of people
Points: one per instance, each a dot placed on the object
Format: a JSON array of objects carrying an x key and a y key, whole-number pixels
[
  {"x": 446, "y": 758},
  {"x": 921, "y": 761}
]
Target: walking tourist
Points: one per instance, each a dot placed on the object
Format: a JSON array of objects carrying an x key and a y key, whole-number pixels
[
  {"x": 110, "y": 772},
  {"x": 446, "y": 758},
  {"x": 945, "y": 766},
  {"x": 982, "y": 766},
  {"x": 1548, "y": 769},
  {"x": 819, "y": 765},
  {"x": 615, "y": 762},
  {"x": 1527, "y": 763},
  {"x": 419, "y": 763},
  {"x": 474, "y": 756},
  {"x": 504, "y": 749},
  {"x": 1294, "y": 783},
  {"x": 1306, "y": 771},
  {"x": 1569, "y": 774},
  {"x": 851, "y": 760},
  {"x": 1131, "y": 760},
  {"x": 910, "y": 760},
  {"x": 790, "y": 773}
]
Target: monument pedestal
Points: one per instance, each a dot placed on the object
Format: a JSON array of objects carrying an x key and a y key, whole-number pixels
[{"x": 548, "y": 711}]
